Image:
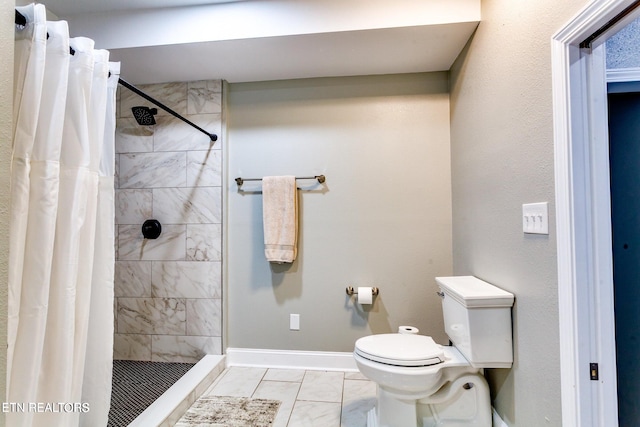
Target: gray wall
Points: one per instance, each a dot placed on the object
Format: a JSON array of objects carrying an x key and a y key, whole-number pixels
[
  {"x": 168, "y": 290},
  {"x": 382, "y": 219},
  {"x": 502, "y": 157},
  {"x": 6, "y": 101}
]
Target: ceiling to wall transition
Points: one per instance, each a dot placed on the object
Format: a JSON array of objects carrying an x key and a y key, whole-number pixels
[
  {"x": 74, "y": 7},
  {"x": 256, "y": 40}
]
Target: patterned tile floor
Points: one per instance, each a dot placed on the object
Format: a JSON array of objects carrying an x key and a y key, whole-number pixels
[{"x": 309, "y": 398}]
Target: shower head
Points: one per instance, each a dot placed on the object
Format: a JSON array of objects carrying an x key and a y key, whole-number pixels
[{"x": 144, "y": 115}]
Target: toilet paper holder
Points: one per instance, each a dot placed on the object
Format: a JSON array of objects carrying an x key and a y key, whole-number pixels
[{"x": 352, "y": 291}]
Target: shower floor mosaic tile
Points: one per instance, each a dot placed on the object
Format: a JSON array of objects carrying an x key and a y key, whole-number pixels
[
  {"x": 136, "y": 385},
  {"x": 309, "y": 398}
]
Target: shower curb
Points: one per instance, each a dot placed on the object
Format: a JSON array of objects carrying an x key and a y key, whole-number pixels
[{"x": 169, "y": 407}]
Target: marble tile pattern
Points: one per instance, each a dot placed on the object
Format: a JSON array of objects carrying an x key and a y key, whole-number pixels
[
  {"x": 204, "y": 96},
  {"x": 182, "y": 348},
  {"x": 204, "y": 242},
  {"x": 192, "y": 205},
  {"x": 168, "y": 291},
  {"x": 133, "y": 346},
  {"x": 173, "y": 95},
  {"x": 134, "y": 206},
  {"x": 171, "y": 132},
  {"x": 148, "y": 315},
  {"x": 204, "y": 168},
  {"x": 153, "y": 170},
  {"x": 133, "y": 138},
  {"x": 185, "y": 279},
  {"x": 309, "y": 398},
  {"x": 171, "y": 245},
  {"x": 132, "y": 279}
]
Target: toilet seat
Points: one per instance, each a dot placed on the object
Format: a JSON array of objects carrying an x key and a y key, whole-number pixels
[{"x": 400, "y": 349}]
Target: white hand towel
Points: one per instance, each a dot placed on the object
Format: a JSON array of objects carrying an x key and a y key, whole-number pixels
[{"x": 280, "y": 218}]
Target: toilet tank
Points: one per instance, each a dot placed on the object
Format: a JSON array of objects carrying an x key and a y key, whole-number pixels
[{"x": 477, "y": 319}]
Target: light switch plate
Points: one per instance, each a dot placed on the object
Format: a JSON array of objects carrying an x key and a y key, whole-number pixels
[
  {"x": 535, "y": 218},
  {"x": 294, "y": 322}
]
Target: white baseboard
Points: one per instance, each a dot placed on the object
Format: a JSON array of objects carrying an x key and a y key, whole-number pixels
[
  {"x": 291, "y": 359},
  {"x": 497, "y": 421}
]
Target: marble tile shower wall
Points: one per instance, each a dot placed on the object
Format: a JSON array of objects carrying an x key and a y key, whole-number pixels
[{"x": 168, "y": 290}]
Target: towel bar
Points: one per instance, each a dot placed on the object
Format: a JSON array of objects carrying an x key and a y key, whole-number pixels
[{"x": 320, "y": 178}]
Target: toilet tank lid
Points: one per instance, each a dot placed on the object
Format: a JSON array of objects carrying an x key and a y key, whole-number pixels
[{"x": 473, "y": 292}]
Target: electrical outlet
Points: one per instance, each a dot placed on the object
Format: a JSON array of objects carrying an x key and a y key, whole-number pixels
[
  {"x": 294, "y": 322},
  {"x": 535, "y": 218}
]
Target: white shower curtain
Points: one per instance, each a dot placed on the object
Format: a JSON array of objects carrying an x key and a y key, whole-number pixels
[{"x": 60, "y": 325}]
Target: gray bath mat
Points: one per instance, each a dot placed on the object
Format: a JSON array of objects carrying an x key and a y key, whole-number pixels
[{"x": 226, "y": 411}]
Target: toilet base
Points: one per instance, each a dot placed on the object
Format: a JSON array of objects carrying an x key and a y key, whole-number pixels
[{"x": 463, "y": 402}]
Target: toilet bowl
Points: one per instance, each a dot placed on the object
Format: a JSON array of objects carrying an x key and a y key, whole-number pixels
[
  {"x": 414, "y": 375},
  {"x": 422, "y": 383}
]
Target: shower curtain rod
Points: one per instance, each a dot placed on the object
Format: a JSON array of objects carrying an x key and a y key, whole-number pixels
[
  {"x": 21, "y": 20},
  {"x": 134, "y": 89}
]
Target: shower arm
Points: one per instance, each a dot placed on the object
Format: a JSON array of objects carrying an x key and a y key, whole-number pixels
[{"x": 134, "y": 89}]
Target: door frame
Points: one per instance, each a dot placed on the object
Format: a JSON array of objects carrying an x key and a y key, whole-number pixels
[{"x": 583, "y": 216}]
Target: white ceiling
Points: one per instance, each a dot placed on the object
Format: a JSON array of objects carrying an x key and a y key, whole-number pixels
[
  {"x": 254, "y": 40},
  {"x": 68, "y": 8}
]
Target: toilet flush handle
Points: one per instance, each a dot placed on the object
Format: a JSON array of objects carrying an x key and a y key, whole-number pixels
[{"x": 440, "y": 294}]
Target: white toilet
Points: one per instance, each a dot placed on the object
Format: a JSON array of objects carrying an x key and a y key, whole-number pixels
[{"x": 423, "y": 384}]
